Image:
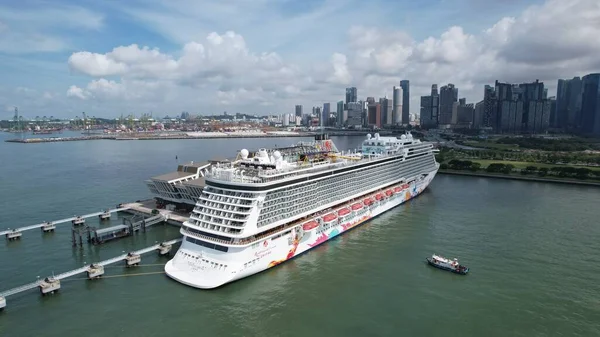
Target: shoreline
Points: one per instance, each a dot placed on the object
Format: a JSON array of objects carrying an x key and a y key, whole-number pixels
[
  {"x": 179, "y": 136},
  {"x": 520, "y": 177}
]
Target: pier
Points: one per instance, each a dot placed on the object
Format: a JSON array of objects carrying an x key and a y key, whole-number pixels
[
  {"x": 16, "y": 233},
  {"x": 95, "y": 270},
  {"x": 130, "y": 225}
]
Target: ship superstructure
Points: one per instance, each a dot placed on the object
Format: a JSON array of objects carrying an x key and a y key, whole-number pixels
[{"x": 267, "y": 206}]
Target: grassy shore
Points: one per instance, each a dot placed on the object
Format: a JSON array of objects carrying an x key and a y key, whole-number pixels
[
  {"x": 516, "y": 176},
  {"x": 523, "y": 164}
]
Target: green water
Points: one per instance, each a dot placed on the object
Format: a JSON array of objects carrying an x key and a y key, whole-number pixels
[{"x": 530, "y": 246}]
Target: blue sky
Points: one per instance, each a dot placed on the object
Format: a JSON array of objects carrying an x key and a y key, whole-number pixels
[{"x": 264, "y": 56}]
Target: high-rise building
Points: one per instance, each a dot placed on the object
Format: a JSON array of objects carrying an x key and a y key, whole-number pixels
[
  {"x": 448, "y": 95},
  {"x": 478, "y": 114},
  {"x": 298, "y": 110},
  {"x": 397, "y": 108},
  {"x": 590, "y": 104},
  {"x": 454, "y": 119},
  {"x": 490, "y": 108},
  {"x": 351, "y": 95},
  {"x": 355, "y": 113},
  {"x": 568, "y": 104},
  {"x": 325, "y": 114},
  {"x": 405, "y": 85},
  {"x": 386, "y": 111},
  {"x": 465, "y": 114},
  {"x": 374, "y": 114},
  {"x": 533, "y": 92},
  {"x": 429, "y": 108},
  {"x": 339, "y": 114},
  {"x": 285, "y": 120},
  {"x": 553, "y": 119},
  {"x": 509, "y": 108}
]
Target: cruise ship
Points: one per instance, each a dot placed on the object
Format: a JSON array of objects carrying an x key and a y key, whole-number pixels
[{"x": 265, "y": 207}]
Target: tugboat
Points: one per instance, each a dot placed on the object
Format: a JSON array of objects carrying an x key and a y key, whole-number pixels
[{"x": 447, "y": 264}]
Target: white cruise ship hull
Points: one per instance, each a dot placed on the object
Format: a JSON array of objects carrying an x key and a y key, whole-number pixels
[{"x": 205, "y": 268}]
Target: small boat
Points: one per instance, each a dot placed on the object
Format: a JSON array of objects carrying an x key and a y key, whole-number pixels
[{"x": 447, "y": 264}]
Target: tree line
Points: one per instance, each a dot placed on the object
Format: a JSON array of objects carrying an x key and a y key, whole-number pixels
[{"x": 562, "y": 172}]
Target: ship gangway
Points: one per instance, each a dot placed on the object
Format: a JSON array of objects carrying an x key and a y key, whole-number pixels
[
  {"x": 74, "y": 272},
  {"x": 18, "y": 231}
]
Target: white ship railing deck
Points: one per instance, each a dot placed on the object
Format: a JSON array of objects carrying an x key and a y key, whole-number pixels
[{"x": 266, "y": 176}]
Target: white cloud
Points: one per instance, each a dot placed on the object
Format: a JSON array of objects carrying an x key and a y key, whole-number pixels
[
  {"x": 75, "y": 91},
  {"x": 216, "y": 69}
]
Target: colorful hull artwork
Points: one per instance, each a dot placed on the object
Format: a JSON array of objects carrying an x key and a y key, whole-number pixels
[{"x": 313, "y": 239}]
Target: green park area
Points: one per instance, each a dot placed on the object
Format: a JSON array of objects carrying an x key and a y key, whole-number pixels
[
  {"x": 522, "y": 169},
  {"x": 523, "y": 164},
  {"x": 564, "y": 144}
]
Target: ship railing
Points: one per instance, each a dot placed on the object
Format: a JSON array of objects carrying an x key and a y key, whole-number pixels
[
  {"x": 268, "y": 176},
  {"x": 204, "y": 237}
]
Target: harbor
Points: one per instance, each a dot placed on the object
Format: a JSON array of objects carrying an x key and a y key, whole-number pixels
[{"x": 382, "y": 258}]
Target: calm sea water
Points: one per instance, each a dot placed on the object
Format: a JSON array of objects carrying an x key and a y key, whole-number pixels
[{"x": 531, "y": 248}]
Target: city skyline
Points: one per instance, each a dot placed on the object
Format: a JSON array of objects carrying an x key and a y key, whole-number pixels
[{"x": 70, "y": 57}]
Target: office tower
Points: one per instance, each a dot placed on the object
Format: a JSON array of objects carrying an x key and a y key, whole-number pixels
[
  {"x": 568, "y": 104},
  {"x": 298, "y": 110},
  {"x": 386, "y": 111},
  {"x": 374, "y": 114},
  {"x": 325, "y": 114},
  {"x": 490, "y": 107},
  {"x": 351, "y": 95},
  {"x": 448, "y": 95},
  {"x": 405, "y": 85},
  {"x": 355, "y": 112},
  {"x": 397, "y": 106},
  {"x": 339, "y": 114},
  {"x": 590, "y": 104},
  {"x": 465, "y": 113}
]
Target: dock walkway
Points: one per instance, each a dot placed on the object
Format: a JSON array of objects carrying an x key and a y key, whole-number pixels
[
  {"x": 21, "y": 229},
  {"x": 84, "y": 269}
]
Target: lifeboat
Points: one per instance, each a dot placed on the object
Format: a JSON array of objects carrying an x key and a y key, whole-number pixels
[
  {"x": 405, "y": 186},
  {"x": 379, "y": 196},
  {"x": 357, "y": 206},
  {"x": 329, "y": 217},
  {"x": 397, "y": 189},
  {"x": 308, "y": 226},
  {"x": 343, "y": 211},
  {"x": 389, "y": 193},
  {"x": 368, "y": 201}
]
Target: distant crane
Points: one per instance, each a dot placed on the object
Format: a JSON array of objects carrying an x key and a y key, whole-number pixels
[{"x": 17, "y": 120}]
